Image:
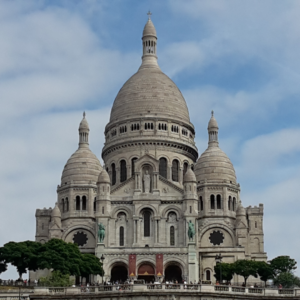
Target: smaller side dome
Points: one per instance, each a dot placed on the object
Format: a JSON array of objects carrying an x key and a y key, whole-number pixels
[
  {"x": 240, "y": 210},
  {"x": 103, "y": 177},
  {"x": 149, "y": 29},
  {"x": 189, "y": 176},
  {"x": 56, "y": 212}
]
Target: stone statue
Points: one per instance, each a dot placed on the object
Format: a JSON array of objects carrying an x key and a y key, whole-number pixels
[
  {"x": 146, "y": 180},
  {"x": 101, "y": 232},
  {"x": 191, "y": 231}
]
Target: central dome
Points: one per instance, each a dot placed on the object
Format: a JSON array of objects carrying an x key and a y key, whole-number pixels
[{"x": 149, "y": 91}]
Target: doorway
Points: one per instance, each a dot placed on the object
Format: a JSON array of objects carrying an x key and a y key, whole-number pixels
[
  {"x": 119, "y": 273},
  {"x": 173, "y": 273}
]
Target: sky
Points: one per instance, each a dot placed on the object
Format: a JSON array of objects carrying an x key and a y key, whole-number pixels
[{"x": 238, "y": 58}]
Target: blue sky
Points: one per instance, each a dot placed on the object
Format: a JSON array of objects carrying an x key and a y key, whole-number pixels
[{"x": 239, "y": 58}]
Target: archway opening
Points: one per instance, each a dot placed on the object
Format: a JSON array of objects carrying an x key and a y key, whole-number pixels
[
  {"x": 146, "y": 272},
  {"x": 173, "y": 273},
  {"x": 119, "y": 273}
]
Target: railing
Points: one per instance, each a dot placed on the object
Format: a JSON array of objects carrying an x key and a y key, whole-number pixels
[
  {"x": 57, "y": 290},
  {"x": 286, "y": 292},
  {"x": 154, "y": 286},
  {"x": 238, "y": 289},
  {"x": 192, "y": 288},
  {"x": 255, "y": 291},
  {"x": 221, "y": 288},
  {"x": 172, "y": 286}
]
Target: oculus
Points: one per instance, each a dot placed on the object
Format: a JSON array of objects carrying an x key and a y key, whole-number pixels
[
  {"x": 216, "y": 238},
  {"x": 80, "y": 238}
]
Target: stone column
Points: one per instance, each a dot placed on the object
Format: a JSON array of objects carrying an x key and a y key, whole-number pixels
[
  {"x": 71, "y": 200},
  {"x": 180, "y": 177},
  {"x": 169, "y": 175},
  {"x": 117, "y": 175}
]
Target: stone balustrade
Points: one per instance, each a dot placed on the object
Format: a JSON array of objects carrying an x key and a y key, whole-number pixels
[{"x": 180, "y": 288}]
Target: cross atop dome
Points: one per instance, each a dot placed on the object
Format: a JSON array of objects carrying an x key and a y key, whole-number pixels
[{"x": 149, "y": 14}]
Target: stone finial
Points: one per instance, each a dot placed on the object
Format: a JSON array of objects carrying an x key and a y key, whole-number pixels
[{"x": 84, "y": 114}]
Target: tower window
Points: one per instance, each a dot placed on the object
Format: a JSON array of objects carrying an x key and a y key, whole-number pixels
[
  {"x": 102, "y": 210},
  {"x": 219, "y": 204},
  {"x": 163, "y": 167},
  {"x": 121, "y": 236},
  {"x": 84, "y": 203},
  {"x": 172, "y": 236},
  {"x": 135, "y": 126},
  {"x": 175, "y": 170},
  {"x": 113, "y": 132},
  {"x": 123, "y": 170},
  {"x": 132, "y": 165},
  {"x": 207, "y": 273},
  {"x": 149, "y": 126},
  {"x": 63, "y": 205},
  {"x": 77, "y": 203},
  {"x": 212, "y": 201},
  {"x": 184, "y": 132},
  {"x": 162, "y": 126},
  {"x": 113, "y": 174},
  {"x": 123, "y": 129},
  {"x": 174, "y": 128},
  {"x": 229, "y": 203},
  {"x": 147, "y": 215},
  {"x": 95, "y": 203},
  {"x": 190, "y": 209},
  {"x": 255, "y": 224},
  {"x": 201, "y": 203},
  {"x": 234, "y": 204},
  {"x": 185, "y": 167}
]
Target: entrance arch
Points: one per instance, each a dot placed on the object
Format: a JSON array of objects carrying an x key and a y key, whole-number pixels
[
  {"x": 119, "y": 273},
  {"x": 146, "y": 272},
  {"x": 173, "y": 273}
]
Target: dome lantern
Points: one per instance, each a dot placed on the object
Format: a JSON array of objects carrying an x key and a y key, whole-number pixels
[
  {"x": 213, "y": 130},
  {"x": 83, "y": 132}
]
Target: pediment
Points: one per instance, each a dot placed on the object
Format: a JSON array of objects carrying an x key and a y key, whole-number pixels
[
  {"x": 125, "y": 189},
  {"x": 53, "y": 226},
  {"x": 240, "y": 225},
  {"x": 147, "y": 159},
  {"x": 168, "y": 188}
]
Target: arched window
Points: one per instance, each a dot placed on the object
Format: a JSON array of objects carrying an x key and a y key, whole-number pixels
[
  {"x": 234, "y": 204},
  {"x": 113, "y": 174},
  {"x": 84, "y": 203},
  {"x": 63, "y": 205},
  {"x": 255, "y": 224},
  {"x": 102, "y": 210},
  {"x": 147, "y": 216},
  {"x": 201, "y": 203},
  {"x": 175, "y": 170},
  {"x": 185, "y": 167},
  {"x": 132, "y": 165},
  {"x": 172, "y": 236},
  {"x": 123, "y": 170},
  {"x": 212, "y": 201},
  {"x": 121, "y": 236},
  {"x": 219, "y": 204},
  {"x": 163, "y": 167},
  {"x": 95, "y": 208},
  {"x": 229, "y": 203},
  {"x": 77, "y": 203},
  {"x": 67, "y": 204},
  {"x": 207, "y": 274}
]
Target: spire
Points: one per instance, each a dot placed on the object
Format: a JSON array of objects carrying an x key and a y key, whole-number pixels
[
  {"x": 83, "y": 132},
  {"x": 149, "y": 58},
  {"x": 213, "y": 130}
]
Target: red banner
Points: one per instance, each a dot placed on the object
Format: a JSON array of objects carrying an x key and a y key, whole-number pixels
[
  {"x": 159, "y": 264},
  {"x": 132, "y": 264}
]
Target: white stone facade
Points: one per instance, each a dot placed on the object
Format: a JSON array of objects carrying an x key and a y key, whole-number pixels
[{"x": 147, "y": 192}]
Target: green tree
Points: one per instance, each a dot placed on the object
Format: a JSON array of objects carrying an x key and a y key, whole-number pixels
[
  {"x": 56, "y": 278},
  {"x": 226, "y": 269},
  {"x": 22, "y": 255},
  {"x": 90, "y": 264},
  {"x": 60, "y": 256},
  {"x": 287, "y": 280},
  {"x": 245, "y": 268},
  {"x": 264, "y": 271},
  {"x": 283, "y": 264}
]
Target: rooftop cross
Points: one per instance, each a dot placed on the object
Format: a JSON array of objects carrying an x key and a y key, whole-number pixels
[
  {"x": 212, "y": 113},
  {"x": 84, "y": 114},
  {"x": 149, "y": 14}
]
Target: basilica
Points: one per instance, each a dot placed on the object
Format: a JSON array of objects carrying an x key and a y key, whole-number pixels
[{"x": 154, "y": 210}]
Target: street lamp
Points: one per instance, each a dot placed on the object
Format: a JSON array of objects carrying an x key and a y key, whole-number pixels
[
  {"x": 19, "y": 283},
  {"x": 219, "y": 260},
  {"x": 102, "y": 259}
]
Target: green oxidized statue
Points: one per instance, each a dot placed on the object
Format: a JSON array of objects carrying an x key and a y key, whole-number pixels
[
  {"x": 191, "y": 231},
  {"x": 101, "y": 232}
]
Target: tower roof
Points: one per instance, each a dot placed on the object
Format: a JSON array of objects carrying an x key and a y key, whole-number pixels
[
  {"x": 149, "y": 29},
  {"x": 84, "y": 123},
  {"x": 189, "y": 176},
  {"x": 103, "y": 177}
]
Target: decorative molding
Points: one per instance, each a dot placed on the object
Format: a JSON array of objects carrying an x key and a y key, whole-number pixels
[
  {"x": 120, "y": 202},
  {"x": 172, "y": 202}
]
